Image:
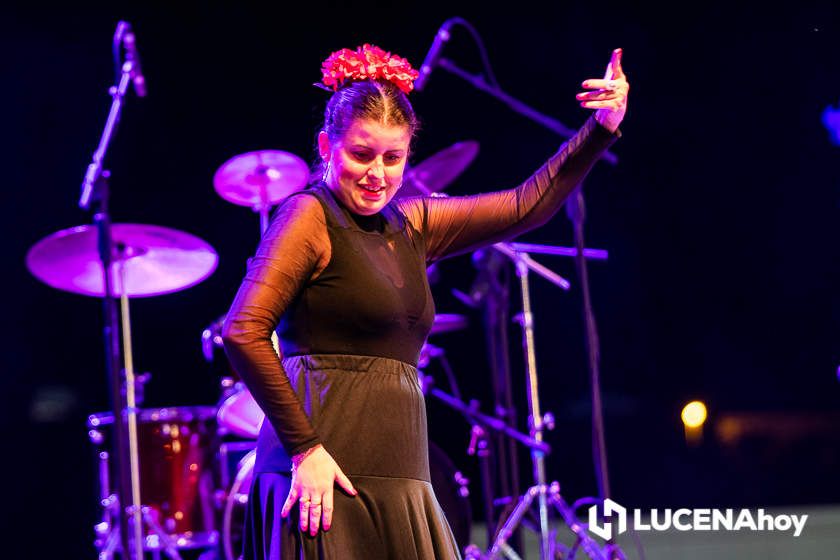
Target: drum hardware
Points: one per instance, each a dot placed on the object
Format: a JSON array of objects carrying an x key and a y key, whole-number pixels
[
  {"x": 260, "y": 179},
  {"x": 448, "y": 322},
  {"x": 211, "y": 339},
  {"x": 574, "y": 207},
  {"x": 146, "y": 260},
  {"x": 113, "y": 281},
  {"x": 229, "y": 456},
  {"x": 481, "y": 425},
  {"x": 483, "y": 421},
  {"x": 545, "y": 494},
  {"x": 177, "y": 447},
  {"x": 237, "y": 496}
]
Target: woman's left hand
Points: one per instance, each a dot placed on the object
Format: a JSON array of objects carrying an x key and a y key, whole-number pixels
[{"x": 608, "y": 95}]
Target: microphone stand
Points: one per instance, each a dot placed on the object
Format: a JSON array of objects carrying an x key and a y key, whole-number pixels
[
  {"x": 95, "y": 189},
  {"x": 523, "y": 263},
  {"x": 538, "y": 422}
]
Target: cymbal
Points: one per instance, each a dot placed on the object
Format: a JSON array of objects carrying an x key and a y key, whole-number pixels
[
  {"x": 156, "y": 260},
  {"x": 435, "y": 173},
  {"x": 446, "y": 322},
  {"x": 260, "y": 178}
]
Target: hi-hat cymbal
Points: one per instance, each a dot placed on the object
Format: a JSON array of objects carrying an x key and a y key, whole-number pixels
[
  {"x": 436, "y": 172},
  {"x": 260, "y": 178},
  {"x": 155, "y": 260},
  {"x": 446, "y": 322}
]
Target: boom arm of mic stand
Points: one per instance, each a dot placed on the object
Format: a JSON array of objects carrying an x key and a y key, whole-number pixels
[
  {"x": 591, "y": 254},
  {"x": 522, "y": 259},
  {"x": 489, "y": 421},
  {"x": 94, "y": 170},
  {"x": 552, "y": 124}
]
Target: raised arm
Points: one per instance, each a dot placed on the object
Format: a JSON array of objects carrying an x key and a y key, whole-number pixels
[
  {"x": 457, "y": 225},
  {"x": 293, "y": 251}
]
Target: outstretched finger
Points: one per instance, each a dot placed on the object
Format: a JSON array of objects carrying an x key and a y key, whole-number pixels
[
  {"x": 597, "y": 95},
  {"x": 345, "y": 483},
  {"x": 290, "y": 501},
  {"x": 601, "y": 85},
  {"x": 614, "y": 67}
]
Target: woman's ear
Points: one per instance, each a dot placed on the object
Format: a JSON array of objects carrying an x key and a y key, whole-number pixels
[{"x": 324, "y": 146}]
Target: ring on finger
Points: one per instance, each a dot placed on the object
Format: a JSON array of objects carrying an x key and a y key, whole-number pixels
[{"x": 611, "y": 85}]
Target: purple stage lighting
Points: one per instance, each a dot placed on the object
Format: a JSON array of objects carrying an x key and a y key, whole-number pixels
[{"x": 831, "y": 120}]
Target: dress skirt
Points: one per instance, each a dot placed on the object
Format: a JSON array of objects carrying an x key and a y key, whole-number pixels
[{"x": 370, "y": 414}]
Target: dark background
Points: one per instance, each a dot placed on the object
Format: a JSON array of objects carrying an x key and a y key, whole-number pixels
[{"x": 720, "y": 219}]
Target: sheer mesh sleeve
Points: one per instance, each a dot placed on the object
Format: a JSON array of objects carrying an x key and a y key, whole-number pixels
[
  {"x": 294, "y": 250},
  {"x": 457, "y": 225}
]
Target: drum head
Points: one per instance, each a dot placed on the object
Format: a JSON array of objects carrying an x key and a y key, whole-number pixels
[{"x": 241, "y": 415}]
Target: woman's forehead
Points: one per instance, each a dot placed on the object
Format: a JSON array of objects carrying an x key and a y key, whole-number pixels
[{"x": 375, "y": 134}]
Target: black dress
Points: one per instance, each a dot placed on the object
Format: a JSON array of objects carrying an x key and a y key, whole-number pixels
[{"x": 349, "y": 298}]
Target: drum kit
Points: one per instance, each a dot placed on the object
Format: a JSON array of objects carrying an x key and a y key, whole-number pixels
[{"x": 195, "y": 463}]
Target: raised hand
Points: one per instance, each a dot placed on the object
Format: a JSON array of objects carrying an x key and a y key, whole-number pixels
[
  {"x": 314, "y": 474},
  {"x": 608, "y": 95}
]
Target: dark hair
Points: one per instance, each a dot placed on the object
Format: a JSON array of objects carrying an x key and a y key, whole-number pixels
[{"x": 374, "y": 100}]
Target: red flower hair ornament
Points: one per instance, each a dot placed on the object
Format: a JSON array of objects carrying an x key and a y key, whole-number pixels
[{"x": 367, "y": 62}]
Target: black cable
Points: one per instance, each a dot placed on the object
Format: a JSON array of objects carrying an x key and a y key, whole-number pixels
[{"x": 482, "y": 50}]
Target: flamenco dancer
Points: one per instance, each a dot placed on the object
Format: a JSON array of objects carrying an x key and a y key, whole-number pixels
[{"x": 342, "y": 467}]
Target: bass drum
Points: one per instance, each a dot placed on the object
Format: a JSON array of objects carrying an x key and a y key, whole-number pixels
[{"x": 449, "y": 484}]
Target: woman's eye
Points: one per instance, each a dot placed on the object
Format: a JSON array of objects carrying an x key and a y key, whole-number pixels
[{"x": 367, "y": 157}]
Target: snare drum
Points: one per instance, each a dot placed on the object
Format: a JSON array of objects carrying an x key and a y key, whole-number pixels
[{"x": 176, "y": 448}]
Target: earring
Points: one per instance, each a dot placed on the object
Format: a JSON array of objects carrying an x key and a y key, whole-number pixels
[{"x": 326, "y": 171}]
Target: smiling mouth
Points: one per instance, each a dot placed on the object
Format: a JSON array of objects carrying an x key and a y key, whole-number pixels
[{"x": 372, "y": 189}]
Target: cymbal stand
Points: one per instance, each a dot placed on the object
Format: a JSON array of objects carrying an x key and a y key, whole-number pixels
[
  {"x": 263, "y": 207},
  {"x": 541, "y": 490}
]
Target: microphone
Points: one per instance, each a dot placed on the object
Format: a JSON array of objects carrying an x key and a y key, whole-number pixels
[
  {"x": 433, "y": 56},
  {"x": 133, "y": 57}
]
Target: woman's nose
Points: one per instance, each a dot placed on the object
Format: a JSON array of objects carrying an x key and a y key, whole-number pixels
[{"x": 377, "y": 169}]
